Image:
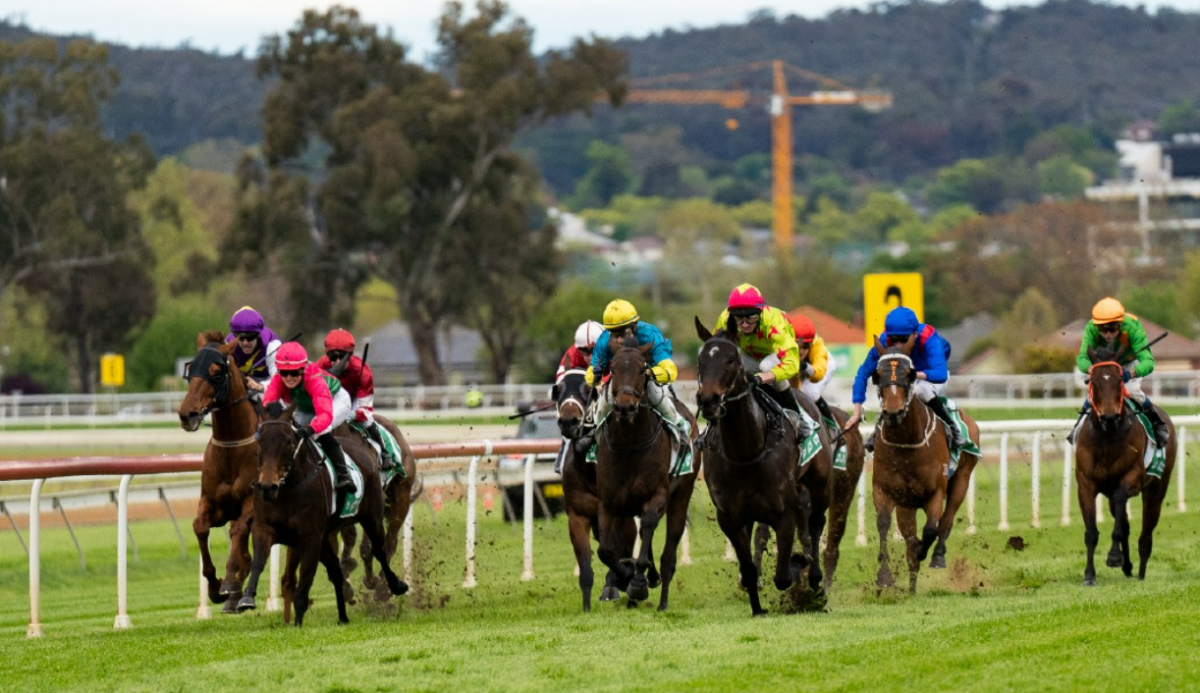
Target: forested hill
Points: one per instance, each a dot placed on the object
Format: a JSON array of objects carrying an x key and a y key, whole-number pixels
[{"x": 968, "y": 82}]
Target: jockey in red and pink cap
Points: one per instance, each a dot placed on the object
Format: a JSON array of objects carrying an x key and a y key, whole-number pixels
[
  {"x": 356, "y": 379},
  {"x": 321, "y": 404}
]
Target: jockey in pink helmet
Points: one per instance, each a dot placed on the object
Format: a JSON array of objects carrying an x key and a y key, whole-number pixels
[{"x": 322, "y": 404}]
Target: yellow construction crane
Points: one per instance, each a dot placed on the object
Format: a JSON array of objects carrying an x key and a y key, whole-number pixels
[{"x": 779, "y": 106}]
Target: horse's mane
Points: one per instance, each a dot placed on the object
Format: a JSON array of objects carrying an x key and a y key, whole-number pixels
[
  {"x": 630, "y": 342},
  {"x": 210, "y": 337}
]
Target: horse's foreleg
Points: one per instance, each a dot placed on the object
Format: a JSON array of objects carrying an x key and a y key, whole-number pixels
[
  {"x": 333, "y": 570},
  {"x": 201, "y": 527},
  {"x": 238, "y": 565},
  {"x": 1152, "y": 499},
  {"x": 264, "y": 537},
  {"x": 843, "y": 495},
  {"x": 883, "y": 524},
  {"x": 955, "y": 494},
  {"x": 373, "y": 529},
  {"x": 287, "y": 584},
  {"x": 615, "y": 548},
  {"x": 349, "y": 535},
  {"x": 1091, "y": 536},
  {"x": 1118, "y": 555},
  {"x": 787, "y": 568},
  {"x": 310, "y": 555},
  {"x": 762, "y": 535},
  {"x": 817, "y": 513},
  {"x": 739, "y": 537},
  {"x": 906, "y": 520},
  {"x": 639, "y": 587},
  {"x": 579, "y": 527},
  {"x": 934, "y": 508},
  {"x": 400, "y": 502}
]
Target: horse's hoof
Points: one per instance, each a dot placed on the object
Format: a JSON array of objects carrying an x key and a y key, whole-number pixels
[
  {"x": 246, "y": 603},
  {"x": 229, "y": 587},
  {"x": 610, "y": 594},
  {"x": 758, "y": 612},
  {"x": 231, "y": 605},
  {"x": 1089, "y": 582},
  {"x": 938, "y": 561},
  {"x": 1114, "y": 560},
  {"x": 638, "y": 590},
  {"x": 653, "y": 579},
  {"x": 218, "y": 598},
  {"x": 398, "y": 587}
]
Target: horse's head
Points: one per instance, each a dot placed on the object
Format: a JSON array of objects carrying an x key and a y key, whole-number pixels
[
  {"x": 630, "y": 375},
  {"x": 213, "y": 381},
  {"x": 573, "y": 394},
  {"x": 279, "y": 446},
  {"x": 1106, "y": 388},
  {"x": 719, "y": 371},
  {"x": 894, "y": 376}
]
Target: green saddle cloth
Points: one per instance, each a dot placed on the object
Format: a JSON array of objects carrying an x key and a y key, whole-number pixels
[
  {"x": 684, "y": 458},
  {"x": 970, "y": 448},
  {"x": 839, "y": 454},
  {"x": 345, "y": 503},
  {"x": 1156, "y": 457},
  {"x": 393, "y": 449}
]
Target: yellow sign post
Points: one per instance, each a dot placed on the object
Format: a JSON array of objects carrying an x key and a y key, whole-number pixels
[
  {"x": 112, "y": 370},
  {"x": 883, "y": 292}
]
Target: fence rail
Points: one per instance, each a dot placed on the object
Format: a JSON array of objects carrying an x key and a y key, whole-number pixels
[{"x": 474, "y": 451}]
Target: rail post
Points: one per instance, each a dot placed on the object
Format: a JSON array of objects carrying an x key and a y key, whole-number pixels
[
  {"x": 122, "y": 621},
  {"x": 1035, "y": 482},
  {"x": 971, "y": 528},
  {"x": 472, "y": 476},
  {"x": 35, "y": 561},
  {"x": 1065, "y": 520},
  {"x": 203, "y": 611},
  {"x": 1003, "y": 482},
  {"x": 527, "y": 573},
  {"x": 274, "y": 603},
  {"x": 1181, "y": 466},
  {"x": 860, "y": 539}
]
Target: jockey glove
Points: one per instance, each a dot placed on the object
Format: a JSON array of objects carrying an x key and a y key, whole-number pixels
[
  {"x": 808, "y": 370},
  {"x": 306, "y": 432},
  {"x": 1125, "y": 375},
  {"x": 757, "y": 378}
]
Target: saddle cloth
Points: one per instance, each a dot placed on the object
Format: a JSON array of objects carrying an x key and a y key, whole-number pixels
[
  {"x": 1155, "y": 459},
  {"x": 393, "y": 448},
  {"x": 682, "y": 455},
  {"x": 344, "y": 504},
  {"x": 970, "y": 448}
]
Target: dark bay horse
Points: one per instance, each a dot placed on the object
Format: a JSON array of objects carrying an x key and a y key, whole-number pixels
[
  {"x": 216, "y": 386},
  {"x": 294, "y": 505},
  {"x": 398, "y": 494},
  {"x": 1109, "y": 453},
  {"x": 845, "y": 484},
  {"x": 911, "y": 462},
  {"x": 580, "y": 496},
  {"x": 751, "y": 465},
  {"x": 633, "y": 475}
]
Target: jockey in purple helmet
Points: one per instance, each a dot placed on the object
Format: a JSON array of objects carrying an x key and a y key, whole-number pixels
[
  {"x": 255, "y": 355},
  {"x": 929, "y": 354}
]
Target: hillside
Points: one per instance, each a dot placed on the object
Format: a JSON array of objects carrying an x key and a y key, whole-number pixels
[{"x": 968, "y": 82}]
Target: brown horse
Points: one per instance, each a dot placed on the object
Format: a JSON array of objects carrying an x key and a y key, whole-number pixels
[
  {"x": 1109, "y": 453},
  {"x": 294, "y": 505},
  {"x": 580, "y": 497},
  {"x": 633, "y": 476},
  {"x": 845, "y": 483},
  {"x": 398, "y": 494},
  {"x": 217, "y": 386},
  {"x": 751, "y": 465},
  {"x": 912, "y": 459}
]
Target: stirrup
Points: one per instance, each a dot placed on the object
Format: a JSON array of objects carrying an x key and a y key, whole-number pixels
[
  {"x": 385, "y": 462},
  {"x": 343, "y": 482}
]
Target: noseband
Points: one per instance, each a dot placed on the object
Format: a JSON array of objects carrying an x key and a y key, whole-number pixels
[
  {"x": 571, "y": 398},
  {"x": 219, "y": 382},
  {"x": 295, "y": 453}
]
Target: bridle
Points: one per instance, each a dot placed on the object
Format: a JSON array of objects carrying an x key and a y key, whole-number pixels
[
  {"x": 742, "y": 381},
  {"x": 295, "y": 452},
  {"x": 1092, "y": 393},
  {"x": 219, "y": 382},
  {"x": 640, "y": 396},
  {"x": 909, "y": 390},
  {"x": 573, "y": 398},
  {"x": 725, "y": 398}
]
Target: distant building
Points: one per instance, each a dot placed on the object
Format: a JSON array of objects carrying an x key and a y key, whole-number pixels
[
  {"x": 393, "y": 359},
  {"x": 847, "y": 344},
  {"x": 965, "y": 335}
]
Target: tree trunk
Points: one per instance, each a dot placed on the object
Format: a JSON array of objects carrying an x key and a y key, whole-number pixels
[
  {"x": 85, "y": 370},
  {"x": 422, "y": 328}
]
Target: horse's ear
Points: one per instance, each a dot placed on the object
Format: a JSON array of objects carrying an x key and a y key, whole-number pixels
[
  {"x": 200, "y": 340},
  {"x": 1091, "y": 354},
  {"x": 1120, "y": 354},
  {"x": 702, "y": 331},
  {"x": 290, "y": 411},
  {"x": 909, "y": 344},
  {"x": 879, "y": 347}
]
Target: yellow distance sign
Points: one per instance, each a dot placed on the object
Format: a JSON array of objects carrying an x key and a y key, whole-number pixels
[
  {"x": 883, "y": 292},
  {"x": 112, "y": 370}
]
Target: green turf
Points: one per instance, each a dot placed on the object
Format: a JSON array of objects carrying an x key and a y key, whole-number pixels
[{"x": 997, "y": 619}]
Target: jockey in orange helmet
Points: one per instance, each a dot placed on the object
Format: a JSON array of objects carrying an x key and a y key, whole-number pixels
[
  {"x": 356, "y": 379},
  {"x": 321, "y": 404},
  {"x": 1111, "y": 327},
  {"x": 767, "y": 342},
  {"x": 816, "y": 368}
]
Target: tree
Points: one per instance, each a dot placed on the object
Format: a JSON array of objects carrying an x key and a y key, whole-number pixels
[
  {"x": 551, "y": 325},
  {"x": 697, "y": 233},
  {"x": 170, "y": 334},
  {"x": 406, "y": 150},
  {"x": 1059, "y": 176},
  {"x": 1032, "y": 317},
  {"x": 610, "y": 175},
  {"x": 67, "y": 231}
]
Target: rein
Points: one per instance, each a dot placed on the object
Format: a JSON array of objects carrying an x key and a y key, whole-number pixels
[
  {"x": 909, "y": 393},
  {"x": 642, "y": 404},
  {"x": 772, "y": 423}
]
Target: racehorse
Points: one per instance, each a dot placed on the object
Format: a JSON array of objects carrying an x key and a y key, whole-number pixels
[
  {"x": 911, "y": 463},
  {"x": 579, "y": 491},
  {"x": 1109, "y": 453},
  {"x": 295, "y": 505},
  {"x": 398, "y": 495},
  {"x": 845, "y": 483},
  {"x": 633, "y": 475},
  {"x": 217, "y": 386}
]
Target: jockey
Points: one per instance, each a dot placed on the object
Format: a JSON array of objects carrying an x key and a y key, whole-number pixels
[
  {"x": 321, "y": 404},
  {"x": 579, "y": 354},
  {"x": 767, "y": 344},
  {"x": 620, "y": 320},
  {"x": 356, "y": 379},
  {"x": 816, "y": 368},
  {"x": 929, "y": 355},
  {"x": 1111, "y": 327},
  {"x": 256, "y": 343}
]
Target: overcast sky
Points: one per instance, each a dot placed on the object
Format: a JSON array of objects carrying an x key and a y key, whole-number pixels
[{"x": 229, "y": 25}]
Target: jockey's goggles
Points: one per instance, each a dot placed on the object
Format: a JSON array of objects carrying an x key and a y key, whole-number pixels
[
  {"x": 894, "y": 339},
  {"x": 1109, "y": 327},
  {"x": 293, "y": 373},
  {"x": 336, "y": 356},
  {"x": 247, "y": 336}
]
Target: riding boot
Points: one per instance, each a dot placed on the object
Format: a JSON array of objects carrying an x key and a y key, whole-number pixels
[
  {"x": 804, "y": 430},
  {"x": 937, "y": 406},
  {"x": 823, "y": 407},
  {"x": 333, "y": 450},
  {"x": 386, "y": 462},
  {"x": 1161, "y": 432},
  {"x": 1083, "y": 412}
]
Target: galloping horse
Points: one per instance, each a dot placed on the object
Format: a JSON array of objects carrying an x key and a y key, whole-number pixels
[
  {"x": 845, "y": 483},
  {"x": 1109, "y": 453},
  {"x": 579, "y": 491},
  {"x": 911, "y": 464},
  {"x": 752, "y": 468},
  {"x": 216, "y": 386},
  {"x": 633, "y": 476},
  {"x": 295, "y": 505},
  {"x": 398, "y": 496}
]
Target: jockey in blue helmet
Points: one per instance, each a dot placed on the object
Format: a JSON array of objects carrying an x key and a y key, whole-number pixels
[{"x": 929, "y": 354}]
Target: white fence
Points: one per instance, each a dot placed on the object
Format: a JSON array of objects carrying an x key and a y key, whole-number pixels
[{"x": 1001, "y": 433}]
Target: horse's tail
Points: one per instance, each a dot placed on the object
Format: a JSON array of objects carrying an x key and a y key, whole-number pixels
[{"x": 417, "y": 489}]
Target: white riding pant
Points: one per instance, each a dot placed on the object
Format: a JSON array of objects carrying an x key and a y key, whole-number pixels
[
  {"x": 750, "y": 364},
  {"x": 343, "y": 411},
  {"x": 926, "y": 391},
  {"x": 815, "y": 390},
  {"x": 366, "y": 404}
]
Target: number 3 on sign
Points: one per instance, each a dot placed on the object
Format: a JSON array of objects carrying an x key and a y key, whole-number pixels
[{"x": 883, "y": 292}]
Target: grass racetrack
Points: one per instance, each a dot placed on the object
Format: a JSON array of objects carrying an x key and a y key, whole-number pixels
[{"x": 996, "y": 619}]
